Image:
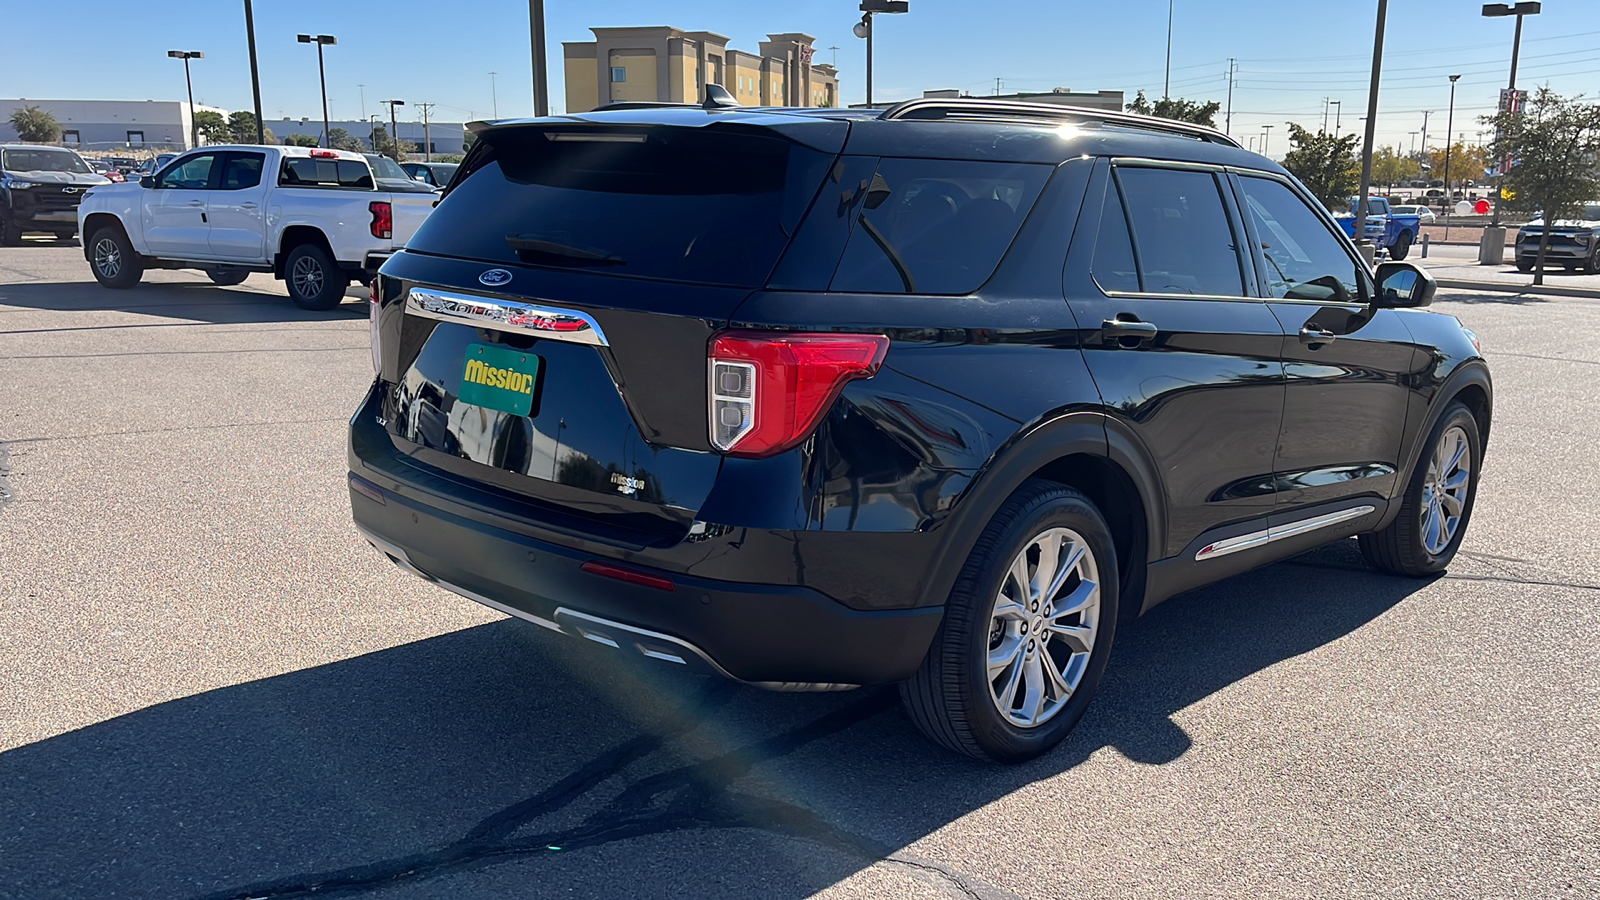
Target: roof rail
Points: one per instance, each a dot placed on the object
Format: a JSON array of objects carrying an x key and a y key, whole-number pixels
[{"x": 978, "y": 109}]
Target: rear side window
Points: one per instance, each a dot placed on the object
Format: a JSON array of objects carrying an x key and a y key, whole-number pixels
[
  {"x": 935, "y": 226},
  {"x": 1183, "y": 240},
  {"x": 242, "y": 170},
  {"x": 705, "y": 206},
  {"x": 303, "y": 171}
]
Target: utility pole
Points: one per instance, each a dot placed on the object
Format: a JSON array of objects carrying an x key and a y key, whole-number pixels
[
  {"x": 1166, "y": 86},
  {"x": 494, "y": 94},
  {"x": 997, "y": 83},
  {"x": 255, "y": 74},
  {"x": 541, "y": 91},
  {"x": 1266, "y": 133},
  {"x": 1413, "y": 143},
  {"x": 1425, "y": 114},
  {"x": 427, "y": 135},
  {"x": 1324, "y": 115},
  {"x": 835, "y": 49},
  {"x": 1372, "y": 126},
  {"x": 1227, "y": 119},
  {"x": 1337, "y": 114}
]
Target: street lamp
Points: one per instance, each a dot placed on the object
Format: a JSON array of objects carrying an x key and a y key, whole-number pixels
[
  {"x": 1337, "y": 113},
  {"x": 1507, "y": 99},
  {"x": 1372, "y": 124},
  {"x": 394, "y": 127},
  {"x": 186, "y": 55},
  {"x": 863, "y": 29},
  {"x": 321, "y": 40},
  {"x": 1449, "y": 123},
  {"x": 372, "y": 131},
  {"x": 255, "y": 73}
]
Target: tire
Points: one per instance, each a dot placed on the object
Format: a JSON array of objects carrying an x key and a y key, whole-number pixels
[
  {"x": 1409, "y": 545},
  {"x": 227, "y": 277},
  {"x": 112, "y": 259},
  {"x": 1591, "y": 266},
  {"x": 1524, "y": 265},
  {"x": 315, "y": 281},
  {"x": 952, "y": 699},
  {"x": 1402, "y": 246}
]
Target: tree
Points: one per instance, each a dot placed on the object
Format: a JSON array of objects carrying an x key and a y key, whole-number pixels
[
  {"x": 339, "y": 139},
  {"x": 1554, "y": 145},
  {"x": 382, "y": 143},
  {"x": 1325, "y": 164},
  {"x": 1465, "y": 162},
  {"x": 242, "y": 128},
  {"x": 212, "y": 126},
  {"x": 1177, "y": 109},
  {"x": 1390, "y": 168},
  {"x": 34, "y": 124},
  {"x": 300, "y": 140}
]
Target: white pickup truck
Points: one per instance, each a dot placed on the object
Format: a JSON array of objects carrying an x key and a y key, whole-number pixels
[{"x": 310, "y": 216}]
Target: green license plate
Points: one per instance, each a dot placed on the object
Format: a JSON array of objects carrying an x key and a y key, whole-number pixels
[{"x": 500, "y": 378}]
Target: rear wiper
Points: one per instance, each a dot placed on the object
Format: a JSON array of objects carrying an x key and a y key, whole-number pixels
[{"x": 536, "y": 249}]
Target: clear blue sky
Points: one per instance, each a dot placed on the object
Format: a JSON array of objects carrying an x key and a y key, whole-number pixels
[{"x": 1291, "y": 53}]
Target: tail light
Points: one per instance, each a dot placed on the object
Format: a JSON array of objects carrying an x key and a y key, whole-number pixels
[
  {"x": 373, "y": 309},
  {"x": 324, "y": 154},
  {"x": 769, "y": 389},
  {"x": 382, "y": 219}
]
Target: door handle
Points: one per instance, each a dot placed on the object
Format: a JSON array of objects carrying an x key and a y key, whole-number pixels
[
  {"x": 197, "y": 203},
  {"x": 247, "y": 205},
  {"x": 1127, "y": 331},
  {"x": 1313, "y": 335}
]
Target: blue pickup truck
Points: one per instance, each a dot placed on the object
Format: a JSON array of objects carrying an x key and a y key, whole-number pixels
[{"x": 1386, "y": 229}]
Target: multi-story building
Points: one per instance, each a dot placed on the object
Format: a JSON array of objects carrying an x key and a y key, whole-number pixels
[{"x": 660, "y": 64}]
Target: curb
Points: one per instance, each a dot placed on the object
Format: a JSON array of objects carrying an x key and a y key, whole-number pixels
[{"x": 1501, "y": 287}]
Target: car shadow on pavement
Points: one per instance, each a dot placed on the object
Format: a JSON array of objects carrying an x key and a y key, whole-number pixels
[
  {"x": 501, "y": 760},
  {"x": 192, "y": 302}
]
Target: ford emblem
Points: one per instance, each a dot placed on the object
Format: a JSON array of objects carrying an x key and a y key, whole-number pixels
[{"x": 495, "y": 277}]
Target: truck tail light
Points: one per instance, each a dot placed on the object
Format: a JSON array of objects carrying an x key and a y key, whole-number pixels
[
  {"x": 375, "y": 295},
  {"x": 768, "y": 390},
  {"x": 324, "y": 154},
  {"x": 382, "y": 219}
]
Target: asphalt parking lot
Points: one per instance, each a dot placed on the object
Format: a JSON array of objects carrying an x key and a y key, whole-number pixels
[{"x": 210, "y": 687}]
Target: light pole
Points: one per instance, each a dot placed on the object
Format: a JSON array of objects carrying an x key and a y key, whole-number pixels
[
  {"x": 321, "y": 40},
  {"x": 863, "y": 29},
  {"x": 1413, "y": 143},
  {"x": 186, "y": 55},
  {"x": 541, "y": 93},
  {"x": 1372, "y": 125},
  {"x": 494, "y": 95},
  {"x": 1266, "y": 133},
  {"x": 1449, "y": 122},
  {"x": 1166, "y": 86},
  {"x": 255, "y": 74},
  {"x": 1337, "y": 114},
  {"x": 394, "y": 127},
  {"x": 372, "y": 131},
  {"x": 1507, "y": 101}
]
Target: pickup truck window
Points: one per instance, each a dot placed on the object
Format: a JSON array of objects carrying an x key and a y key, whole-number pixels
[
  {"x": 305, "y": 171},
  {"x": 193, "y": 174},
  {"x": 242, "y": 170}
]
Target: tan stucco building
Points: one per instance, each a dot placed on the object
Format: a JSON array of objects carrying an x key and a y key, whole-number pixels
[{"x": 664, "y": 64}]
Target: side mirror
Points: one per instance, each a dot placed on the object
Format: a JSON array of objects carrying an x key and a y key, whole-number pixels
[
  {"x": 147, "y": 181},
  {"x": 1403, "y": 285}
]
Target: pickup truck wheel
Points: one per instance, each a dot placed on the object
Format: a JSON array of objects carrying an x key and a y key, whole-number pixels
[
  {"x": 1402, "y": 246},
  {"x": 113, "y": 260},
  {"x": 1026, "y": 633},
  {"x": 227, "y": 277},
  {"x": 315, "y": 281},
  {"x": 1424, "y": 537}
]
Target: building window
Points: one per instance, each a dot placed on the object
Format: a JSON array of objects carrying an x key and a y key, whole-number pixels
[
  {"x": 71, "y": 137},
  {"x": 619, "y": 74},
  {"x": 136, "y": 139}
]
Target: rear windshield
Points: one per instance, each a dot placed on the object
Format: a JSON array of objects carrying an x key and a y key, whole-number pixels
[
  {"x": 302, "y": 171},
  {"x": 708, "y": 206}
]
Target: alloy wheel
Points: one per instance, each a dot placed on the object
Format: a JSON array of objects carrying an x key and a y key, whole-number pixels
[
  {"x": 1444, "y": 490},
  {"x": 107, "y": 258},
  {"x": 307, "y": 277},
  {"x": 1042, "y": 627}
]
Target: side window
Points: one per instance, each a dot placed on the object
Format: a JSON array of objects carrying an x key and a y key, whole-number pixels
[
  {"x": 1304, "y": 259},
  {"x": 935, "y": 226},
  {"x": 1113, "y": 267},
  {"x": 192, "y": 174},
  {"x": 1183, "y": 240},
  {"x": 242, "y": 170}
]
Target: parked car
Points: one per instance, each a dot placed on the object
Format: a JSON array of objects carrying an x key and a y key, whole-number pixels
[
  {"x": 393, "y": 178},
  {"x": 104, "y": 169},
  {"x": 40, "y": 189},
  {"x": 310, "y": 216},
  {"x": 894, "y": 399},
  {"x": 431, "y": 173},
  {"x": 1574, "y": 243},
  {"x": 124, "y": 164},
  {"x": 155, "y": 163},
  {"x": 1423, "y": 213},
  {"x": 1387, "y": 229}
]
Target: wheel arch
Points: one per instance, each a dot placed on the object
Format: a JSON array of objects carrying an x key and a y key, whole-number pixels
[
  {"x": 93, "y": 223},
  {"x": 294, "y": 236},
  {"x": 1086, "y": 451},
  {"x": 1470, "y": 384}
]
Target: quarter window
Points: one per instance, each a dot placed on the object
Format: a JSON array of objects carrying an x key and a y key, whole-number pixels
[
  {"x": 1113, "y": 266},
  {"x": 1304, "y": 260},
  {"x": 1183, "y": 241}
]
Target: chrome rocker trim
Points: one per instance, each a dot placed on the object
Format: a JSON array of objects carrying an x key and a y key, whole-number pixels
[
  {"x": 506, "y": 315},
  {"x": 1278, "y": 533}
]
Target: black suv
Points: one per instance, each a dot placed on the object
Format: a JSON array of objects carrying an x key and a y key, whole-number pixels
[{"x": 936, "y": 396}]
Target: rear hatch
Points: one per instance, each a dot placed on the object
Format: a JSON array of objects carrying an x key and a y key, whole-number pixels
[{"x": 545, "y": 332}]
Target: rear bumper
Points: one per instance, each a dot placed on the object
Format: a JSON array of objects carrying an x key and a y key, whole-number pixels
[{"x": 782, "y": 636}]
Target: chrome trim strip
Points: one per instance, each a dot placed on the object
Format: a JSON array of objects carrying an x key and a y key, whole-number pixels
[
  {"x": 611, "y": 625},
  {"x": 509, "y": 316},
  {"x": 1279, "y": 532}
]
